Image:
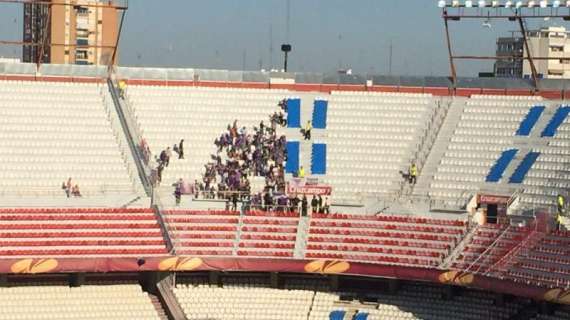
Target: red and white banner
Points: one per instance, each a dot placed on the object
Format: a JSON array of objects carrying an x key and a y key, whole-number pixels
[
  {"x": 311, "y": 190},
  {"x": 298, "y": 186},
  {"x": 493, "y": 199}
]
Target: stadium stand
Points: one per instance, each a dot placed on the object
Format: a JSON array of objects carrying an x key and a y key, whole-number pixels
[
  {"x": 519, "y": 254},
  {"x": 109, "y": 301},
  {"x": 245, "y": 300},
  {"x": 217, "y": 233},
  {"x": 528, "y": 132},
  {"x": 252, "y": 298},
  {"x": 197, "y": 115},
  {"x": 557, "y": 315},
  {"x": 52, "y": 131},
  {"x": 489, "y": 244},
  {"x": 383, "y": 239},
  {"x": 268, "y": 234},
  {"x": 486, "y": 129},
  {"x": 91, "y": 232},
  {"x": 411, "y": 302},
  {"x": 211, "y": 233},
  {"x": 545, "y": 262},
  {"x": 550, "y": 175},
  {"x": 364, "y": 128}
]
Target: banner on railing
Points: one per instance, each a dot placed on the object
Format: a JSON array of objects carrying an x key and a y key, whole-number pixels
[
  {"x": 302, "y": 186},
  {"x": 320, "y": 266},
  {"x": 493, "y": 199}
]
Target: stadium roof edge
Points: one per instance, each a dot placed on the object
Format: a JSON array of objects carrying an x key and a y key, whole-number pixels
[{"x": 441, "y": 86}]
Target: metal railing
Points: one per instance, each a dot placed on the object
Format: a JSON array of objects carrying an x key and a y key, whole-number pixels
[
  {"x": 165, "y": 288},
  {"x": 431, "y": 132},
  {"x": 119, "y": 137},
  {"x": 428, "y": 139},
  {"x": 141, "y": 167},
  {"x": 57, "y": 191},
  {"x": 168, "y": 231},
  {"x": 485, "y": 255},
  {"x": 523, "y": 248}
]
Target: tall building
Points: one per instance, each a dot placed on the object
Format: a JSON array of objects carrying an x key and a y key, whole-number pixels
[
  {"x": 80, "y": 32},
  {"x": 552, "y": 42},
  {"x": 35, "y": 27},
  {"x": 508, "y": 67}
]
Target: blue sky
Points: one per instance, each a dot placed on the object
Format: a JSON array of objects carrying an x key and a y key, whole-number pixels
[{"x": 325, "y": 34}]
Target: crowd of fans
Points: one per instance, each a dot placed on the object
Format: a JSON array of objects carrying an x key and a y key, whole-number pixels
[
  {"x": 241, "y": 154},
  {"x": 292, "y": 203}
]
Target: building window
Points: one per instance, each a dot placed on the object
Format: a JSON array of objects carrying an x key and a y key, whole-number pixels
[
  {"x": 82, "y": 10},
  {"x": 81, "y": 55},
  {"x": 565, "y": 61},
  {"x": 556, "y": 48},
  {"x": 82, "y": 33},
  {"x": 82, "y": 42}
]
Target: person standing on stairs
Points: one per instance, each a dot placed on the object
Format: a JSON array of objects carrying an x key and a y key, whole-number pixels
[
  {"x": 122, "y": 88},
  {"x": 168, "y": 155},
  {"x": 294, "y": 203},
  {"x": 181, "y": 149},
  {"x": 326, "y": 207},
  {"x": 307, "y": 132},
  {"x": 304, "y": 204},
  {"x": 413, "y": 174},
  {"x": 159, "y": 173},
  {"x": 66, "y": 186},
  {"x": 561, "y": 201},
  {"x": 234, "y": 198},
  {"x": 314, "y": 204},
  {"x": 283, "y": 105},
  {"x": 178, "y": 191},
  {"x": 162, "y": 157},
  {"x": 561, "y": 204},
  {"x": 301, "y": 172},
  {"x": 267, "y": 201}
]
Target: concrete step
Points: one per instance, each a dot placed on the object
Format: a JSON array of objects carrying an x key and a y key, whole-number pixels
[
  {"x": 158, "y": 307},
  {"x": 238, "y": 235},
  {"x": 439, "y": 147},
  {"x": 301, "y": 240}
]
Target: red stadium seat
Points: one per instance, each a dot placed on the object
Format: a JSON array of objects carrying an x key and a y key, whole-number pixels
[{"x": 76, "y": 231}]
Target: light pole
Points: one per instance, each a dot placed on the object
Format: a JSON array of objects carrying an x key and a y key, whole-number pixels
[{"x": 286, "y": 48}]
